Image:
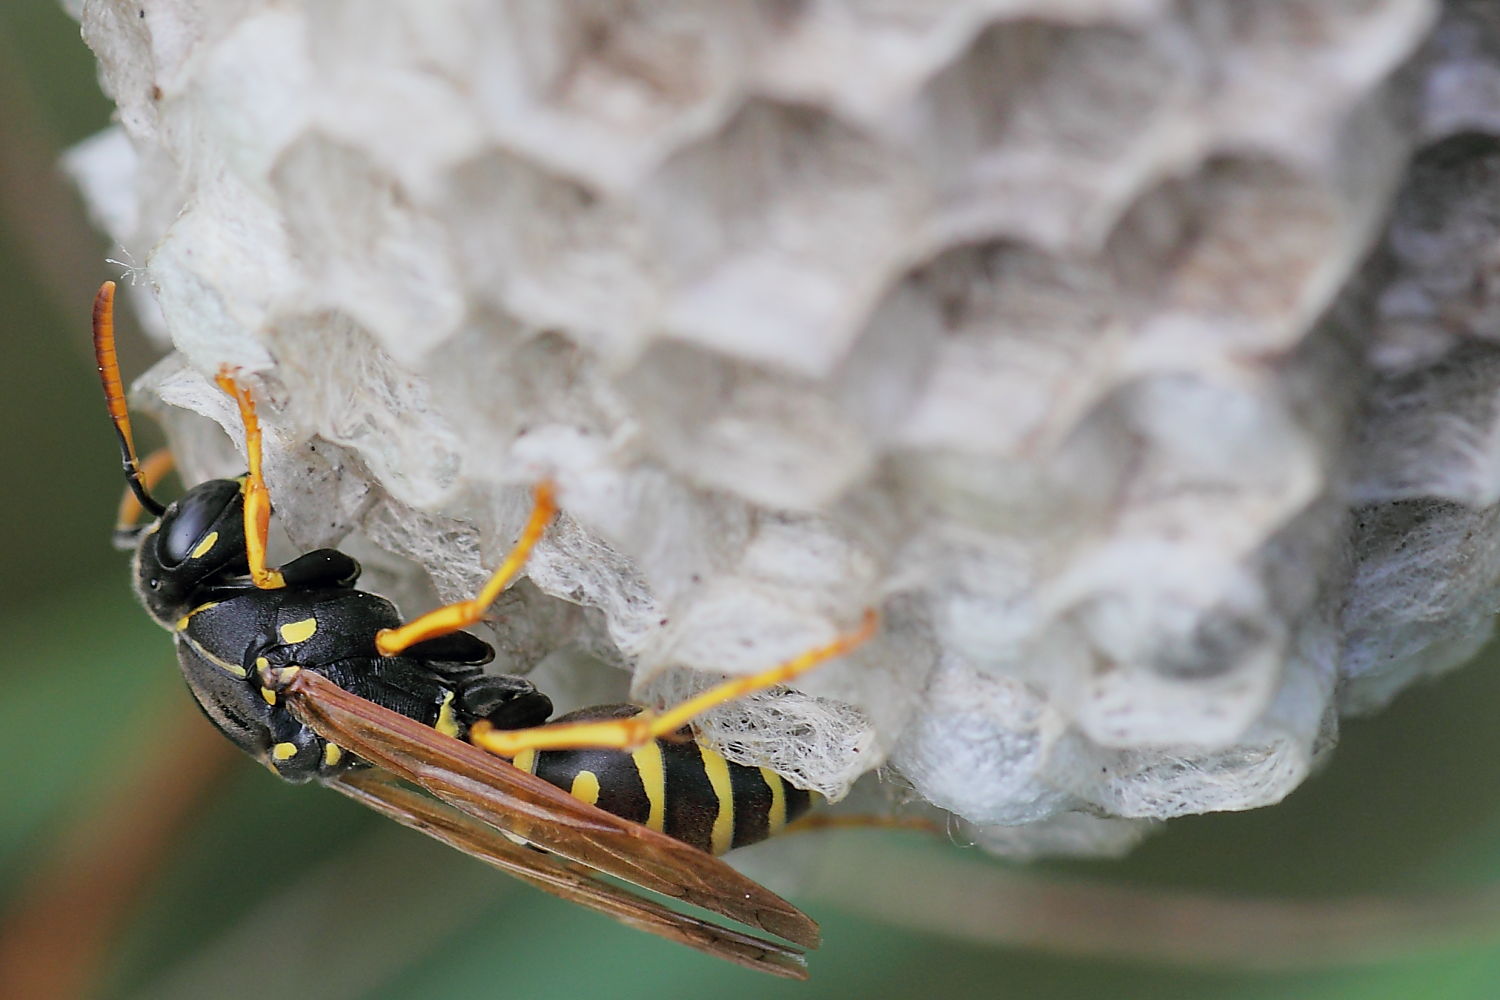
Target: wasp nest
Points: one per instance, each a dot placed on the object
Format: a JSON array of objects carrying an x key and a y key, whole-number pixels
[{"x": 1139, "y": 358}]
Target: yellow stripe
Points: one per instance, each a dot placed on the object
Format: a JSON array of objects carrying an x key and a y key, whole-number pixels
[
  {"x": 717, "y": 769},
  {"x": 182, "y": 622},
  {"x": 648, "y": 764},
  {"x": 776, "y": 818},
  {"x": 233, "y": 668},
  {"x": 585, "y": 787},
  {"x": 526, "y": 761},
  {"x": 268, "y": 695},
  {"x": 299, "y": 631},
  {"x": 447, "y": 722},
  {"x": 204, "y": 546}
]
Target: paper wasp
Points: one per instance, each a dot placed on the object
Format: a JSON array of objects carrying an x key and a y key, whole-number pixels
[{"x": 321, "y": 681}]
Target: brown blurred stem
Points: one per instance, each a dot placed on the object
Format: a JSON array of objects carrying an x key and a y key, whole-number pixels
[
  {"x": 57, "y": 934},
  {"x": 968, "y": 898}
]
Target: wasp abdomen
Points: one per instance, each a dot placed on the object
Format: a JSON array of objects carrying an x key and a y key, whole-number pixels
[{"x": 677, "y": 787}]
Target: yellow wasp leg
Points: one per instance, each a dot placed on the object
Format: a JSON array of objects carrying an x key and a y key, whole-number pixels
[
  {"x": 636, "y": 731},
  {"x": 257, "y": 497},
  {"x": 452, "y": 617}
]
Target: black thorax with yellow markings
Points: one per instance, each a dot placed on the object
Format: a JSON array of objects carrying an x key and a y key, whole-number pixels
[{"x": 191, "y": 575}]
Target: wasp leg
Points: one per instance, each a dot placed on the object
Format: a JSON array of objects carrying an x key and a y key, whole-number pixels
[
  {"x": 452, "y": 617},
  {"x": 638, "y": 730},
  {"x": 458, "y": 648},
  {"x": 869, "y": 821},
  {"x": 321, "y": 568},
  {"x": 257, "y": 497},
  {"x": 504, "y": 701}
]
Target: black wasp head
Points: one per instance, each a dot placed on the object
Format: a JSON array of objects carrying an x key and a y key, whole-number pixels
[{"x": 198, "y": 543}]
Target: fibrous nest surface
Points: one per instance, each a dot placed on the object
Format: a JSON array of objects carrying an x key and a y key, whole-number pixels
[{"x": 1138, "y": 358}]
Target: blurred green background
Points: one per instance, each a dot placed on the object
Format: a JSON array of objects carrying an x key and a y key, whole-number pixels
[{"x": 268, "y": 890}]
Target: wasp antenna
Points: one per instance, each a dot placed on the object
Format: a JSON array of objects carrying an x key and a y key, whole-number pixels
[
  {"x": 114, "y": 394},
  {"x": 126, "y": 539},
  {"x": 152, "y": 469}
]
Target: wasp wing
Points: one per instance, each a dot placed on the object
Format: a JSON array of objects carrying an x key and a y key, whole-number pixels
[
  {"x": 492, "y": 791},
  {"x": 563, "y": 878}
]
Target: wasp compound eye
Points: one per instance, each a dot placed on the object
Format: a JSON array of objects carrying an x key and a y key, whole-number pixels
[{"x": 189, "y": 528}]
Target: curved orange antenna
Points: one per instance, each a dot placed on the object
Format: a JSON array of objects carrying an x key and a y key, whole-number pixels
[{"x": 114, "y": 394}]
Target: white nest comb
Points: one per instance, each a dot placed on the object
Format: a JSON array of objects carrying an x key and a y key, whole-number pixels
[{"x": 1070, "y": 333}]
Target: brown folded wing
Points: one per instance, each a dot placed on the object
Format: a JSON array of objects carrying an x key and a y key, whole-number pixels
[{"x": 493, "y": 792}]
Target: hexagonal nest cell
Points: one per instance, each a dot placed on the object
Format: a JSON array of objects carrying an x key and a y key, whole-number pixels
[{"x": 1139, "y": 359}]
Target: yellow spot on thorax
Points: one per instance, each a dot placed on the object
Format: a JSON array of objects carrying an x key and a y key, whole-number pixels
[
  {"x": 717, "y": 769},
  {"x": 776, "y": 817},
  {"x": 202, "y": 548},
  {"x": 447, "y": 722},
  {"x": 648, "y": 764},
  {"x": 526, "y": 761},
  {"x": 332, "y": 754},
  {"x": 268, "y": 695},
  {"x": 284, "y": 751},
  {"x": 298, "y": 631},
  {"x": 585, "y": 787}
]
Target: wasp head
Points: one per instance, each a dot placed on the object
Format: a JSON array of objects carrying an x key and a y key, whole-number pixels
[{"x": 197, "y": 544}]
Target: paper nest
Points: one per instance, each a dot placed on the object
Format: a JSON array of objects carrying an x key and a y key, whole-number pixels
[{"x": 1138, "y": 359}]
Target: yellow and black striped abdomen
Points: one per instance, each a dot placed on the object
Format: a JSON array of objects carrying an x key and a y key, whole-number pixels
[{"x": 682, "y": 789}]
